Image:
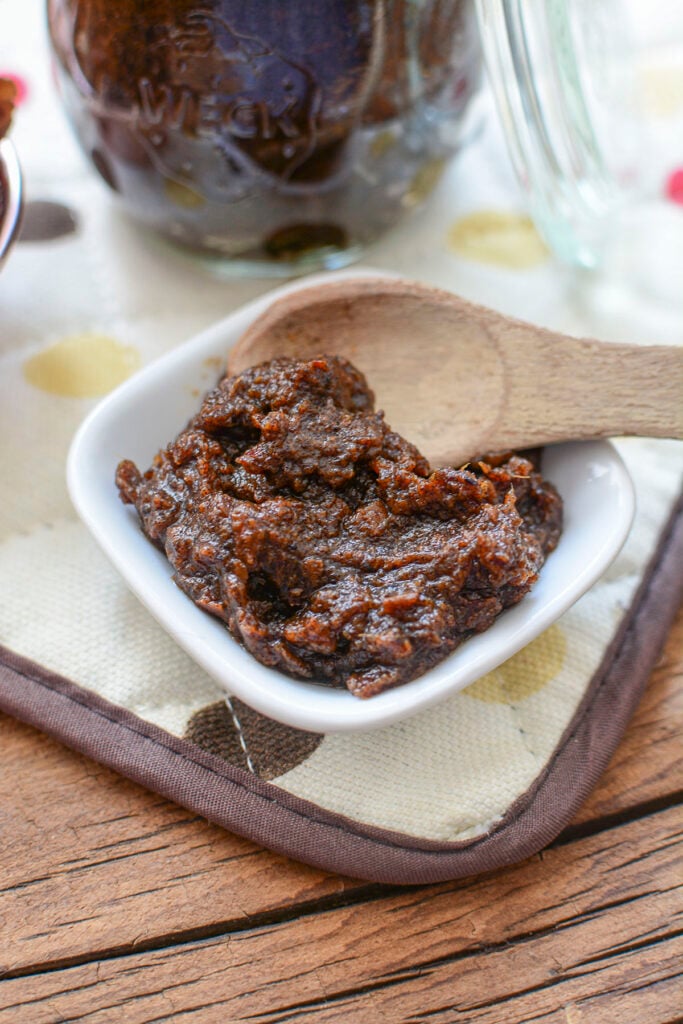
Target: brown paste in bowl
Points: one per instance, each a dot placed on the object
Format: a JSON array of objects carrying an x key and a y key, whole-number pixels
[{"x": 290, "y": 509}]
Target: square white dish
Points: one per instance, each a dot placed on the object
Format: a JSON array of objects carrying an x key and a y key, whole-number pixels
[{"x": 151, "y": 408}]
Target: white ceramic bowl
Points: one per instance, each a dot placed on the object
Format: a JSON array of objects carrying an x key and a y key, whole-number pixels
[{"x": 149, "y": 410}]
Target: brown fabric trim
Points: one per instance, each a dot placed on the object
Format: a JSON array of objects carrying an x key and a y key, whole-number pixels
[{"x": 259, "y": 811}]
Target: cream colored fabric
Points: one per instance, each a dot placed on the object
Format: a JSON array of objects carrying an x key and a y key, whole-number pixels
[{"x": 445, "y": 774}]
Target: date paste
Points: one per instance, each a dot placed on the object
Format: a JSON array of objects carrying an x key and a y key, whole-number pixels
[{"x": 290, "y": 509}]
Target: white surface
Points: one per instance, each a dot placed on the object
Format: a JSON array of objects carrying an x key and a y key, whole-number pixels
[{"x": 149, "y": 410}]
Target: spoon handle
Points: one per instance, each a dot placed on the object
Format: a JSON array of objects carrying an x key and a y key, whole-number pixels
[{"x": 559, "y": 387}]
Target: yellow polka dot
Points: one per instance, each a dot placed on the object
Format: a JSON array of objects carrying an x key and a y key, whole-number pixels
[
  {"x": 525, "y": 673},
  {"x": 182, "y": 195},
  {"x": 82, "y": 366},
  {"x": 382, "y": 143},
  {"x": 424, "y": 182},
  {"x": 494, "y": 236},
  {"x": 662, "y": 90}
]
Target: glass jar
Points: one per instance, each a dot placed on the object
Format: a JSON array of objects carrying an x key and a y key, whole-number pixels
[
  {"x": 590, "y": 95},
  {"x": 286, "y": 134}
]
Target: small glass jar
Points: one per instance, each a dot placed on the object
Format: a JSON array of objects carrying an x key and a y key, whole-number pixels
[
  {"x": 272, "y": 134},
  {"x": 590, "y": 95}
]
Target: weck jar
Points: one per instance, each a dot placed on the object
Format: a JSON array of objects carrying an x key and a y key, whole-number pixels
[{"x": 270, "y": 134}]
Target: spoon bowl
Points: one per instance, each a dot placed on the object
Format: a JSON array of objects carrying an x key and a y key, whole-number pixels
[{"x": 459, "y": 380}]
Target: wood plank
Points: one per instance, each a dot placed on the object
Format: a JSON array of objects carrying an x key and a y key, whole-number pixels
[
  {"x": 90, "y": 862},
  {"x": 558, "y": 931},
  {"x": 626, "y": 986}
]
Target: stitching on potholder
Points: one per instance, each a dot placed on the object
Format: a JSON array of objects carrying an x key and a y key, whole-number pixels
[{"x": 240, "y": 734}]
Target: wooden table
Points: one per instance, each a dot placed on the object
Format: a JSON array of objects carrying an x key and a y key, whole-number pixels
[{"x": 118, "y": 906}]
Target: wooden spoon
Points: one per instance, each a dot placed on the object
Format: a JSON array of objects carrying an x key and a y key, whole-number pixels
[{"x": 459, "y": 380}]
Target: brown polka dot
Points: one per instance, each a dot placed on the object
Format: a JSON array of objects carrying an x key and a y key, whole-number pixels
[
  {"x": 498, "y": 237},
  {"x": 274, "y": 748},
  {"x": 44, "y": 221},
  {"x": 526, "y": 672},
  {"x": 82, "y": 366}
]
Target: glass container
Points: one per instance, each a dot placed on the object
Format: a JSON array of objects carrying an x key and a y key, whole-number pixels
[
  {"x": 271, "y": 135},
  {"x": 590, "y": 95}
]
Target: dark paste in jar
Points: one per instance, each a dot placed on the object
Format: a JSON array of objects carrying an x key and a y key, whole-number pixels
[
  {"x": 291, "y": 510},
  {"x": 268, "y": 130}
]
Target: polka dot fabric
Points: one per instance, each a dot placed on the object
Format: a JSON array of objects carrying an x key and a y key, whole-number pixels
[{"x": 85, "y": 299}]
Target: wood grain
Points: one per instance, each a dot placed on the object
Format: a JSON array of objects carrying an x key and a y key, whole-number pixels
[
  {"x": 415, "y": 343},
  {"x": 91, "y": 864},
  {"x": 90, "y": 861},
  {"x": 560, "y": 930}
]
